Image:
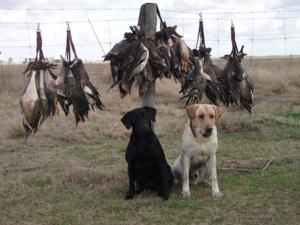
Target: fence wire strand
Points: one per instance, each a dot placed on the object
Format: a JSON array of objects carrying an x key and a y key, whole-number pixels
[{"x": 185, "y": 19}]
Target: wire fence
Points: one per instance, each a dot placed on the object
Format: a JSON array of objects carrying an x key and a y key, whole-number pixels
[{"x": 263, "y": 33}]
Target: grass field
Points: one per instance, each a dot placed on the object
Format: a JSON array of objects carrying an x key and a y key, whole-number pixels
[{"x": 68, "y": 175}]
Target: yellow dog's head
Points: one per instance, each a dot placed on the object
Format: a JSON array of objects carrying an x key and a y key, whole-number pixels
[{"x": 204, "y": 118}]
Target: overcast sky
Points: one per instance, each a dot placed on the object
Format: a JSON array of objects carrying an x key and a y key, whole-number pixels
[{"x": 273, "y": 21}]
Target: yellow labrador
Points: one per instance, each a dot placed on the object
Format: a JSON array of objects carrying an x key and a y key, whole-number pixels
[{"x": 199, "y": 145}]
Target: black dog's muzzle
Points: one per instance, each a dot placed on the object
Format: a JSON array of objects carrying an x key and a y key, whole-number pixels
[{"x": 143, "y": 128}]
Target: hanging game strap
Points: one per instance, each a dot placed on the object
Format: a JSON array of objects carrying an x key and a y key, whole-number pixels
[
  {"x": 202, "y": 44},
  {"x": 70, "y": 45},
  {"x": 234, "y": 45},
  {"x": 163, "y": 24},
  {"x": 200, "y": 34},
  {"x": 39, "y": 52}
]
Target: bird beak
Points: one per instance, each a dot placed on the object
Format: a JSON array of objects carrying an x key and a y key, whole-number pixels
[
  {"x": 74, "y": 63},
  {"x": 63, "y": 59}
]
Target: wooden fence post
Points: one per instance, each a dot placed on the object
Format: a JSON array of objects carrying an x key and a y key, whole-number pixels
[{"x": 147, "y": 22}]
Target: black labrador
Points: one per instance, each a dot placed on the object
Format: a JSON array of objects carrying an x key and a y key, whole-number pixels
[{"x": 147, "y": 165}]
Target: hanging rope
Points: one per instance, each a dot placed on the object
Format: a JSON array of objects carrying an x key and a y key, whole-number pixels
[
  {"x": 200, "y": 35},
  {"x": 234, "y": 45},
  {"x": 202, "y": 43},
  {"x": 39, "y": 52},
  {"x": 163, "y": 24},
  {"x": 70, "y": 45}
]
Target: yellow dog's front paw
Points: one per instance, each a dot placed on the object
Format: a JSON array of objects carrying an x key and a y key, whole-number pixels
[
  {"x": 185, "y": 194},
  {"x": 217, "y": 195}
]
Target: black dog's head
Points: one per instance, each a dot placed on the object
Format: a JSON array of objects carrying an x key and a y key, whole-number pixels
[{"x": 139, "y": 119}]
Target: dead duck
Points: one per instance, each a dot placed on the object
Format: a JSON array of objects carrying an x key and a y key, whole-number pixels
[
  {"x": 115, "y": 56},
  {"x": 71, "y": 93},
  {"x": 74, "y": 88},
  {"x": 128, "y": 58},
  {"x": 139, "y": 59},
  {"x": 62, "y": 83},
  {"x": 38, "y": 100},
  {"x": 91, "y": 93},
  {"x": 29, "y": 103},
  {"x": 198, "y": 83},
  {"x": 237, "y": 84}
]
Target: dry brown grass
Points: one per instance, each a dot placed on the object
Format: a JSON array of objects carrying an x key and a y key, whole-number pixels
[
  {"x": 77, "y": 175},
  {"x": 87, "y": 176},
  {"x": 275, "y": 75}
]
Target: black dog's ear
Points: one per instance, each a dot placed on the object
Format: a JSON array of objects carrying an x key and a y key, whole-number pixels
[
  {"x": 151, "y": 111},
  {"x": 126, "y": 120}
]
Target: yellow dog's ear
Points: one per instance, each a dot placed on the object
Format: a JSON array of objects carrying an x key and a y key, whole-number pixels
[
  {"x": 218, "y": 112},
  {"x": 191, "y": 111}
]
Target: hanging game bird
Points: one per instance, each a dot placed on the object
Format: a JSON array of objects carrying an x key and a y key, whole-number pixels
[
  {"x": 230, "y": 85},
  {"x": 91, "y": 93},
  {"x": 198, "y": 83},
  {"x": 74, "y": 88},
  {"x": 38, "y": 98},
  {"x": 128, "y": 59},
  {"x": 237, "y": 85},
  {"x": 140, "y": 59}
]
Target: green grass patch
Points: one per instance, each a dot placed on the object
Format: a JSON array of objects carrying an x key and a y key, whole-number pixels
[{"x": 290, "y": 114}]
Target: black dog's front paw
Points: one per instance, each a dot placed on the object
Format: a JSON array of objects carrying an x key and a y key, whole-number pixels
[
  {"x": 164, "y": 196},
  {"x": 129, "y": 195},
  {"x": 139, "y": 190}
]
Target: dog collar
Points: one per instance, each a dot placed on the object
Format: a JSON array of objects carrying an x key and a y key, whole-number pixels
[{"x": 192, "y": 128}]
